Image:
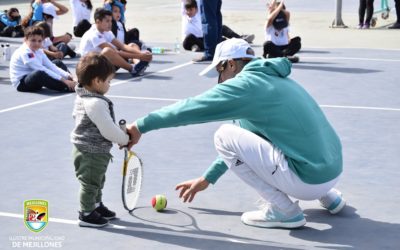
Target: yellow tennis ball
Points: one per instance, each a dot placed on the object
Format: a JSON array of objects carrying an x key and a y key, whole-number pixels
[{"x": 159, "y": 202}]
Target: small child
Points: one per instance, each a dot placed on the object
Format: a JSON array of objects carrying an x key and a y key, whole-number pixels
[
  {"x": 81, "y": 12},
  {"x": 10, "y": 23},
  {"x": 131, "y": 37},
  {"x": 278, "y": 42},
  {"x": 100, "y": 39},
  {"x": 54, "y": 52},
  {"x": 94, "y": 132},
  {"x": 31, "y": 70}
]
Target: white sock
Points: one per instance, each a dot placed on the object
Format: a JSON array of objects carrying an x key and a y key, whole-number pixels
[{"x": 97, "y": 204}]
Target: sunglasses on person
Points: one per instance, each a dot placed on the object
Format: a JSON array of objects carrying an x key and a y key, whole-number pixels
[{"x": 222, "y": 66}]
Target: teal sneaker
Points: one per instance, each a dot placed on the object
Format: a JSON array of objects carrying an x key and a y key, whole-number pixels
[
  {"x": 271, "y": 216},
  {"x": 333, "y": 201}
]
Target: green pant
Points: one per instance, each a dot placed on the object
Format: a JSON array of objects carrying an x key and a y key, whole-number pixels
[{"x": 90, "y": 169}]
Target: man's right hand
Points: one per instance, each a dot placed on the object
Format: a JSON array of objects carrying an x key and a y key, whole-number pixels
[{"x": 188, "y": 189}]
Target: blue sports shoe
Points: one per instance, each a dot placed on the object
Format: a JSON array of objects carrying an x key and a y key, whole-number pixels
[
  {"x": 271, "y": 216},
  {"x": 333, "y": 201},
  {"x": 139, "y": 68}
]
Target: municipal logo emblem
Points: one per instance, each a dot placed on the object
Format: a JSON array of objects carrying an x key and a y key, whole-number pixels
[{"x": 36, "y": 214}]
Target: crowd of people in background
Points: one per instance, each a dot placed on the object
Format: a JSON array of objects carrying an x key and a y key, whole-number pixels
[{"x": 202, "y": 30}]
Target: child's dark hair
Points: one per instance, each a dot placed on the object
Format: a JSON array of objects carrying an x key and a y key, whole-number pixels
[
  {"x": 188, "y": 4},
  {"x": 46, "y": 28},
  {"x": 92, "y": 66},
  {"x": 89, "y": 4},
  {"x": 32, "y": 31},
  {"x": 101, "y": 13},
  {"x": 11, "y": 10}
]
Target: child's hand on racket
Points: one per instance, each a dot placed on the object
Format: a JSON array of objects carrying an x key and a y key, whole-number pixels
[
  {"x": 191, "y": 187},
  {"x": 134, "y": 133}
]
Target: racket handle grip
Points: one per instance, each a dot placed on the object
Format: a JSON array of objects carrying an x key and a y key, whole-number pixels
[{"x": 122, "y": 124}]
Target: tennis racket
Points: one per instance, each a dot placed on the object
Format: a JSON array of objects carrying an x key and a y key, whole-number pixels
[{"x": 132, "y": 176}]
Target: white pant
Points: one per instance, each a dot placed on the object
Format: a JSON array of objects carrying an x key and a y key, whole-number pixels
[{"x": 263, "y": 166}]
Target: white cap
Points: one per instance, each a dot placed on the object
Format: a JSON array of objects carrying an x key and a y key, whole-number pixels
[
  {"x": 229, "y": 49},
  {"x": 50, "y": 9}
]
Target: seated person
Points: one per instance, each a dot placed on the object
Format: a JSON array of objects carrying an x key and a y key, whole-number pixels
[
  {"x": 54, "y": 52},
  {"x": 81, "y": 12},
  {"x": 278, "y": 42},
  {"x": 193, "y": 31},
  {"x": 47, "y": 10},
  {"x": 120, "y": 3},
  {"x": 130, "y": 37},
  {"x": 100, "y": 39},
  {"x": 31, "y": 70},
  {"x": 10, "y": 23}
]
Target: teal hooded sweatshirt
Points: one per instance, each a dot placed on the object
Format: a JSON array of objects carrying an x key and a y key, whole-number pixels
[{"x": 268, "y": 103}]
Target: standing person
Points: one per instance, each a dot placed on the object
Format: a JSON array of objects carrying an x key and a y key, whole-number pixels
[
  {"x": 278, "y": 42},
  {"x": 100, "y": 39},
  {"x": 365, "y": 10},
  {"x": 284, "y": 146},
  {"x": 211, "y": 19},
  {"x": 396, "y": 25},
  {"x": 31, "y": 70},
  {"x": 81, "y": 12},
  {"x": 193, "y": 32},
  {"x": 95, "y": 131}
]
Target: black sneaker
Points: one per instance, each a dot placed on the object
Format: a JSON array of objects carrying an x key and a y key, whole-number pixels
[
  {"x": 293, "y": 59},
  {"x": 94, "y": 219},
  {"x": 395, "y": 26},
  {"x": 139, "y": 68},
  {"x": 105, "y": 212}
]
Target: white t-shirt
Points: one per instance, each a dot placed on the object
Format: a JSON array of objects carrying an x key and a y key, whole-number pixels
[
  {"x": 278, "y": 37},
  {"x": 24, "y": 61},
  {"x": 47, "y": 43},
  {"x": 120, "y": 33},
  {"x": 93, "y": 38},
  {"x": 191, "y": 25},
  {"x": 79, "y": 11}
]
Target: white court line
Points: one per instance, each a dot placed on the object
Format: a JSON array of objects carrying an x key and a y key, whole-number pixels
[
  {"x": 360, "y": 107},
  {"x": 351, "y": 58},
  {"x": 160, "y": 231},
  {"x": 33, "y": 103},
  {"x": 112, "y": 84},
  {"x": 323, "y": 106}
]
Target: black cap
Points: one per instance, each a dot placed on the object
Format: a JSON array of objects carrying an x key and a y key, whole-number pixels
[{"x": 280, "y": 21}]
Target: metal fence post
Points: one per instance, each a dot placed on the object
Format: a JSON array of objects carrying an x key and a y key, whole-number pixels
[{"x": 338, "y": 22}]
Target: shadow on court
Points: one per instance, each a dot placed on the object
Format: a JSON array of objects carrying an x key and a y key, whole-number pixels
[
  {"x": 346, "y": 70},
  {"x": 189, "y": 237},
  {"x": 349, "y": 229}
]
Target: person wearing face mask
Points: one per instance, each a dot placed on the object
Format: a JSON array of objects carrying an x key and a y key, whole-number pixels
[{"x": 10, "y": 23}]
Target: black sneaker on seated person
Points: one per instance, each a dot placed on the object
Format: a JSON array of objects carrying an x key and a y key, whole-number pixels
[
  {"x": 139, "y": 68},
  {"x": 293, "y": 59},
  {"x": 94, "y": 219},
  {"x": 105, "y": 212}
]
